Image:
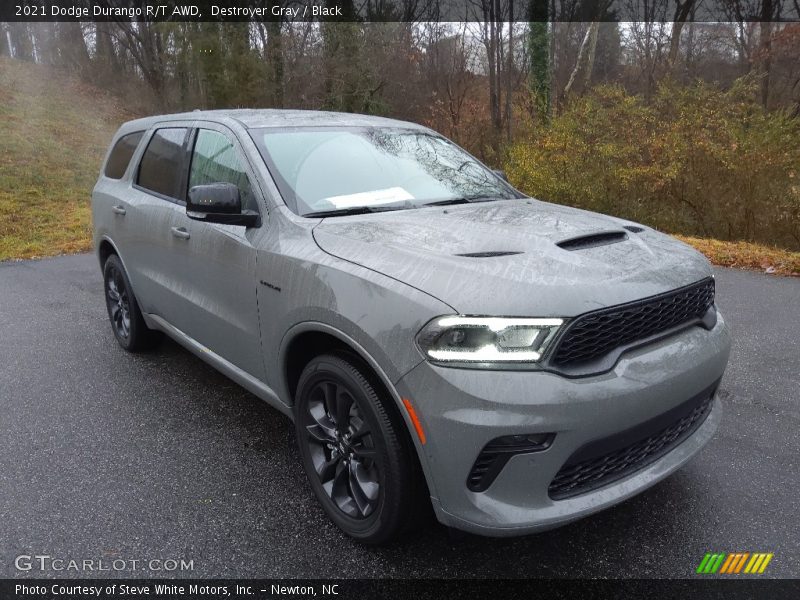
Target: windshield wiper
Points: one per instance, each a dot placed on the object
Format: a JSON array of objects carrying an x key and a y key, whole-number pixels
[
  {"x": 364, "y": 210},
  {"x": 353, "y": 210},
  {"x": 447, "y": 202},
  {"x": 461, "y": 200}
]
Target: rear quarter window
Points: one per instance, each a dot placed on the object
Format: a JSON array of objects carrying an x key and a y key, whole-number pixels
[
  {"x": 121, "y": 155},
  {"x": 162, "y": 167}
]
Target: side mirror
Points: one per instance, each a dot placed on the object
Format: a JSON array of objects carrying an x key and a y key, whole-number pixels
[
  {"x": 219, "y": 203},
  {"x": 500, "y": 174}
]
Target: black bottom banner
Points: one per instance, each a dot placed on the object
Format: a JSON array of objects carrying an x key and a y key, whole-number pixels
[{"x": 417, "y": 589}]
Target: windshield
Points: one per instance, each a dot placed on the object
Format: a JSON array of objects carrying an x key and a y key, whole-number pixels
[{"x": 342, "y": 170}]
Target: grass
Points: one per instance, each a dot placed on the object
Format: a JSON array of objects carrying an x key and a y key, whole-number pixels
[
  {"x": 746, "y": 255},
  {"x": 54, "y": 132}
]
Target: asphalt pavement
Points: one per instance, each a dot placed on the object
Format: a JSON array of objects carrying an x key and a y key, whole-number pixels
[{"x": 112, "y": 456}]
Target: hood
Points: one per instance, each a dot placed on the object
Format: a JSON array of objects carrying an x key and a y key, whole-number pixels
[{"x": 515, "y": 257}]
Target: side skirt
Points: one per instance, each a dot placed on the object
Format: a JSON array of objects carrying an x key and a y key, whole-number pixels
[{"x": 227, "y": 368}]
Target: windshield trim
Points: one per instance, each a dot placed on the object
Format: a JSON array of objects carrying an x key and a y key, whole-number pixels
[{"x": 288, "y": 194}]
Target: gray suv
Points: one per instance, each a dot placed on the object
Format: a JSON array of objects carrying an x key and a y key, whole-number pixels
[{"x": 439, "y": 339}]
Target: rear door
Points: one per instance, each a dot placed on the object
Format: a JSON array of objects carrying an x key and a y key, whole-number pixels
[{"x": 154, "y": 252}]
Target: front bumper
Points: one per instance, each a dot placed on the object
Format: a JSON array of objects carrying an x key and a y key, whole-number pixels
[{"x": 461, "y": 410}]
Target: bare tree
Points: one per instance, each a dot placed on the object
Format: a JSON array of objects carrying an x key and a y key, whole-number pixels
[
  {"x": 683, "y": 8},
  {"x": 21, "y": 41},
  {"x": 648, "y": 38},
  {"x": 4, "y": 49},
  {"x": 770, "y": 9},
  {"x": 509, "y": 68},
  {"x": 585, "y": 58},
  {"x": 491, "y": 16},
  {"x": 447, "y": 69}
]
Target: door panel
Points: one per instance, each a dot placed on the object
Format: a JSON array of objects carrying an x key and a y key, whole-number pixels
[
  {"x": 212, "y": 266},
  {"x": 217, "y": 293},
  {"x": 152, "y": 208},
  {"x": 151, "y": 255}
]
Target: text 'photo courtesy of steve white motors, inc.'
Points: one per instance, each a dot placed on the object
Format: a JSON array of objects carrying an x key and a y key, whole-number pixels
[
  {"x": 141, "y": 589},
  {"x": 99, "y": 10}
]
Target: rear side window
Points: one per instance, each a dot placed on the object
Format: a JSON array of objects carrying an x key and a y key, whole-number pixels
[
  {"x": 214, "y": 161},
  {"x": 162, "y": 166},
  {"x": 121, "y": 155}
]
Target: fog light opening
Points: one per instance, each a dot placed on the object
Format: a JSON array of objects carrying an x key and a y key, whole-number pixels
[{"x": 498, "y": 452}]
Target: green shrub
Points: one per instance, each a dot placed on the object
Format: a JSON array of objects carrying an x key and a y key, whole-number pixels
[{"x": 697, "y": 161}]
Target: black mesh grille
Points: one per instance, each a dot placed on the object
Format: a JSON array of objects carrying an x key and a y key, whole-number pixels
[
  {"x": 595, "y": 334},
  {"x": 585, "y": 474}
]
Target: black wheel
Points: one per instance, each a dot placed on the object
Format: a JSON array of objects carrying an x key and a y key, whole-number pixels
[
  {"x": 356, "y": 450},
  {"x": 123, "y": 311}
]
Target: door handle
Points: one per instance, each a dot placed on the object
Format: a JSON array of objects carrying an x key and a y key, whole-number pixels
[
  {"x": 180, "y": 232},
  {"x": 119, "y": 210}
]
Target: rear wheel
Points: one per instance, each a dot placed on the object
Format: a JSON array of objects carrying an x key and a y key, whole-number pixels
[
  {"x": 356, "y": 450},
  {"x": 126, "y": 319}
]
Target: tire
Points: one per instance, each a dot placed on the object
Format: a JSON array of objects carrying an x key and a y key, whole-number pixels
[
  {"x": 359, "y": 459},
  {"x": 126, "y": 319}
]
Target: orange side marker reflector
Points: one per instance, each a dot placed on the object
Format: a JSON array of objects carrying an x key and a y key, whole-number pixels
[{"x": 415, "y": 420}]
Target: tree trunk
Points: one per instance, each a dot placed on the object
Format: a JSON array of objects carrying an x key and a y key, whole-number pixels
[
  {"x": 690, "y": 52},
  {"x": 73, "y": 52},
  {"x": 765, "y": 48},
  {"x": 498, "y": 61},
  {"x": 21, "y": 42},
  {"x": 45, "y": 45},
  {"x": 583, "y": 52},
  {"x": 494, "y": 106},
  {"x": 510, "y": 67},
  {"x": 143, "y": 42},
  {"x": 553, "y": 63},
  {"x": 539, "y": 63},
  {"x": 4, "y": 49},
  {"x": 587, "y": 73},
  {"x": 682, "y": 11},
  {"x": 275, "y": 60},
  {"x": 106, "y": 54}
]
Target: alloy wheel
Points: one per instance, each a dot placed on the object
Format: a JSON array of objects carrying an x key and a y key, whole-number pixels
[
  {"x": 118, "y": 303},
  {"x": 342, "y": 449}
]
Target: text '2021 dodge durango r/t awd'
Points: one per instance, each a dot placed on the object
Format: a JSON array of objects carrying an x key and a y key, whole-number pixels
[{"x": 436, "y": 336}]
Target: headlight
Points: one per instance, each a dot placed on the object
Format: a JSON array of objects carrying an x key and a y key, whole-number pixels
[{"x": 457, "y": 339}]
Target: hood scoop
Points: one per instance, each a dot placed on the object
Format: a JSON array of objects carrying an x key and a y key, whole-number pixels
[
  {"x": 489, "y": 254},
  {"x": 593, "y": 240}
]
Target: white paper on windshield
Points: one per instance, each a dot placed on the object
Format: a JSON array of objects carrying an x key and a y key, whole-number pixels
[{"x": 373, "y": 198}]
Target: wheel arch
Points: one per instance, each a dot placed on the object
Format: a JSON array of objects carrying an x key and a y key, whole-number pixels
[
  {"x": 105, "y": 248},
  {"x": 329, "y": 338},
  {"x": 324, "y": 338}
]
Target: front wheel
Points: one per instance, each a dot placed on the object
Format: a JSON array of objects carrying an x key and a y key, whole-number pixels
[{"x": 356, "y": 450}]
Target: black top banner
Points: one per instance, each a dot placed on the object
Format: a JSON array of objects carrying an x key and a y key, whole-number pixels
[{"x": 401, "y": 10}]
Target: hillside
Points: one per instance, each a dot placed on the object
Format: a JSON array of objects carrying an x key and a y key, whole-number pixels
[{"x": 54, "y": 131}]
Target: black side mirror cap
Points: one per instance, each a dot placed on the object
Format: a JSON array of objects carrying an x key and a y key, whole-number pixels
[
  {"x": 216, "y": 198},
  {"x": 219, "y": 203}
]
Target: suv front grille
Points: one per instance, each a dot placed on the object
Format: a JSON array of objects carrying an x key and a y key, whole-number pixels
[
  {"x": 605, "y": 461},
  {"x": 597, "y": 333}
]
